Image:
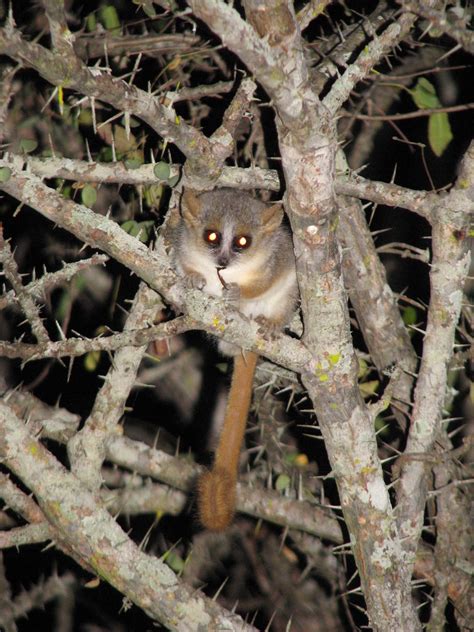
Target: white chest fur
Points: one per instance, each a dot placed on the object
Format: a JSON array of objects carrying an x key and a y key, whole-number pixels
[
  {"x": 207, "y": 269},
  {"x": 272, "y": 304},
  {"x": 275, "y": 303}
]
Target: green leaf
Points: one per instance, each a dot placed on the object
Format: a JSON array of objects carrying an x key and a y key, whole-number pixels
[
  {"x": 106, "y": 154},
  {"x": 439, "y": 132},
  {"x": 424, "y": 95},
  {"x": 153, "y": 194},
  {"x": 363, "y": 368},
  {"x": 110, "y": 19},
  {"x": 162, "y": 170},
  {"x": 282, "y": 482},
  {"x": 89, "y": 196},
  {"x": 381, "y": 427},
  {"x": 171, "y": 182},
  {"x": 142, "y": 230},
  {"x": 66, "y": 191},
  {"x": 130, "y": 227},
  {"x": 91, "y": 361},
  {"x": 85, "y": 117},
  {"x": 132, "y": 163},
  {"x": 147, "y": 7},
  {"x": 91, "y": 22},
  {"x": 63, "y": 305},
  {"x": 28, "y": 145},
  {"x": 5, "y": 174},
  {"x": 145, "y": 230},
  {"x": 174, "y": 561},
  {"x": 409, "y": 315},
  {"x": 369, "y": 388}
]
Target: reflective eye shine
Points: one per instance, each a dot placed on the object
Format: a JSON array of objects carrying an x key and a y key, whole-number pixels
[
  {"x": 241, "y": 242},
  {"x": 212, "y": 237}
]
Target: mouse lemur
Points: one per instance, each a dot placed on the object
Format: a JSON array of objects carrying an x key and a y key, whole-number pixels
[{"x": 228, "y": 241}]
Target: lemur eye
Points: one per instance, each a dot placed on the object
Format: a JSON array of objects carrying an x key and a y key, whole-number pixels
[
  {"x": 241, "y": 242},
  {"x": 212, "y": 237}
]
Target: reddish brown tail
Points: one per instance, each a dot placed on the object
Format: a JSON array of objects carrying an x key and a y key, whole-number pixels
[{"x": 216, "y": 488}]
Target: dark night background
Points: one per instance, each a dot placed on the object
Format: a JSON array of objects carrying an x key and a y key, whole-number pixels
[{"x": 38, "y": 245}]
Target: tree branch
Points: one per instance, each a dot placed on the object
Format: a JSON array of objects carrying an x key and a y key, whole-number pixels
[
  {"x": 419, "y": 202},
  {"x": 117, "y": 172},
  {"x": 86, "y": 449},
  {"x": 449, "y": 268},
  {"x": 206, "y": 312},
  {"x": 69, "y": 72},
  {"x": 308, "y": 147},
  {"x": 380, "y": 46},
  {"x": 74, "y": 347},
  {"x": 25, "y": 299},
  {"x": 100, "y": 542},
  {"x": 36, "y": 289},
  {"x": 457, "y": 29}
]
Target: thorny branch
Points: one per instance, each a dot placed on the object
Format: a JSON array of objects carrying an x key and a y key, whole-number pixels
[
  {"x": 27, "y": 303},
  {"x": 79, "y": 346},
  {"x": 456, "y": 26},
  {"x": 449, "y": 268},
  {"x": 101, "y": 543},
  {"x": 384, "y": 539},
  {"x": 87, "y": 448},
  {"x": 37, "y": 289},
  {"x": 70, "y": 71},
  {"x": 390, "y": 194}
]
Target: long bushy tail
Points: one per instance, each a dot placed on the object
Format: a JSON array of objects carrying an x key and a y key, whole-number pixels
[{"x": 216, "y": 488}]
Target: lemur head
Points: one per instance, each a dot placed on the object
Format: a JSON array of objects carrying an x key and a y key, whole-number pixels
[{"x": 228, "y": 226}]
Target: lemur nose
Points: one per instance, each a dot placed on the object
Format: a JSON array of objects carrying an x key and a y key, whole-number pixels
[{"x": 223, "y": 261}]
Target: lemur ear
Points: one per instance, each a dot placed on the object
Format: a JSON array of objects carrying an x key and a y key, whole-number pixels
[
  {"x": 272, "y": 216},
  {"x": 190, "y": 205}
]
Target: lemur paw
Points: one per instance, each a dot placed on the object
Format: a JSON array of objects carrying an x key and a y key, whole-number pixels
[
  {"x": 194, "y": 281},
  {"x": 267, "y": 328}
]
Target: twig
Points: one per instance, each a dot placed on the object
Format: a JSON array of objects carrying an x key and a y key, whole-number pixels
[
  {"x": 224, "y": 136},
  {"x": 6, "y": 606},
  {"x": 30, "y": 534},
  {"x": 18, "y": 501},
  {"x": 7, "y": 90},
  {"x": 146, "y": 498},
  {"x": 36, "y": 289},
  {"x": 312, "y": 10},
  {"x": 193, "y": 94},
  {"x": 90, "y": 46},
  {"x": 74, "y": 347},
  {"x": 266, "y": 504},
  {"x": 381, "y": 45},
  {"x": 420, "y": 202},
  {"x": 69, "y": 70},
  {"x": 87, "y": 448},
  {"x": 449, "y": 268},
  {"x": 409, "y": 115},
  {"x": 27, "y": 303},
  {"x": 459, "y": 32},
  {"x": 80, "y": 170},
  {"x": 96, "y": 538},
  {"x": 40, "y": 594}
]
